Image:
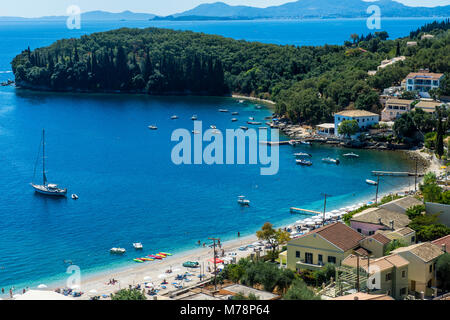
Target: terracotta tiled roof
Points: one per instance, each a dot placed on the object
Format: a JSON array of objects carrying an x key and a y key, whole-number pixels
[
  {"x": 362, "y": 252},
  {"x": 373, "y": 215},
  {"x": 383, "y": 263},
  {"x": 356, "y": 113},
  {"x": 403, "y": 203},
  {"x": 444, "y": 240},
  {"x": 424, "y": 75},
  {"x": 339, "y": 234},
  {"x": 425, "y": 250},
  {"x": 404, "y": 231},
  {"x": 399, "y": 101},
  {"x": 380, "y": 238}
]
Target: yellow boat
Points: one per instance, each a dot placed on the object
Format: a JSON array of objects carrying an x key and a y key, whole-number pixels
[{"x": 146, "y": 259}]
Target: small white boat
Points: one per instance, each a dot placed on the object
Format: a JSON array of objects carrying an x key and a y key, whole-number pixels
[
  {"x": 306, "y": 143},
  {"x": 138, "y": 246},
  {"x": 223, "y": 110},
  {"x": 153, "y": 127},
  {"x": 242, "y": 201},
  {"x": 215, "y": 131},
  {"x": 244, "y": 128},
  {"x": 293, "y": 142},
  {"x": 302, "y": 154},
  {"x": 371, "y": 182},
  {"x": 234, "y": 119},
  {"x": 174, "y": 117},
  {"x": 117, "y": 250},
  {"x": 303, "y": 162},
  {"x": 254, "y": 122},
  {"x": 351, "y": 155},
  {"x": 331, "y": 160},
  {"x": 74, "y": 196},
  {"x": 251, "y": 118},
  {"x": 235, "y": 113},
  {"x": 241, "y": 101},
  {"x": 194, "y": 117},
  {"x": 258, "y": 107},
  {"x": 213, "y": 127}
]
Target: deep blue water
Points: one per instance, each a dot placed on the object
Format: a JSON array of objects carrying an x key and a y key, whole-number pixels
[{"x": 99, "y": 147}]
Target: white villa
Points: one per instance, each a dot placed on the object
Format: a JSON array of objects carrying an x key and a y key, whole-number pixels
[
  {"x": 364, "y": 118},
  {"x": 423, "y": 81}
]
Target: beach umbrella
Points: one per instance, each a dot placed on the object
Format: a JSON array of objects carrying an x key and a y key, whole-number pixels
[
  {"x": 42, "y": 286},
  {"x": 217, "y": 260}
]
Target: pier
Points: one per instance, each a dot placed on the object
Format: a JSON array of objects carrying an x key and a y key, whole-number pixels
[
  {"x": 304, "y": 211},
  {"x": 396, "y": 174}
]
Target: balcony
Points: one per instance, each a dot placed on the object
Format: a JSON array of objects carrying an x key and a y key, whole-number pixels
[{"x": 301, "y": 264}]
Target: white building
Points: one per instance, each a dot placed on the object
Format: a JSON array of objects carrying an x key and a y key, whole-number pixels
[
  {"x": 364, "y": 118},
  {"x": 423, "y": 81}
]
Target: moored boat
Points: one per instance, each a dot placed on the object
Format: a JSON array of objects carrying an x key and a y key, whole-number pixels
[
  {"x": 243, "y": 128},
  {"x": 235, "y": 113},
  {"x": 174, "y": 117},
  {"x": 74, "y": 196},
  {"x": 153, "y": 127},
  {"x": 234, "y": 119},
  {"x": 138, "y": 245},
  {"x": 305, "y": 142},
  {"x": 242, "y": 201},
  {"x": 330, "y": 160},
  {"x": 351, "y": 155},
  {"x": 303, "y": 162},
  {"x": 223, "y": 110},
  {"x": 371, "y": 182},
  {"x": 302, "y": 154},
  {"x": 194, "y": 117},
  {"x": 254, "y": 122},
  {"x": 117, "y": 250}
]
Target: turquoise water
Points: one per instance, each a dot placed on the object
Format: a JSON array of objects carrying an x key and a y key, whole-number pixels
[{"x": 99, "y": 147}]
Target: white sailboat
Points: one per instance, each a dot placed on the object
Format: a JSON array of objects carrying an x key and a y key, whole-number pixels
[{"x": 47, "y": 188}]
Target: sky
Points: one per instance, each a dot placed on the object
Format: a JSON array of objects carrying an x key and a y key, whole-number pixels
[{"x": 38, "y": 8}]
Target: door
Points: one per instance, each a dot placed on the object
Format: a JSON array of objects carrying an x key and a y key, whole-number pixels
[
  {"x": 309, "y": 257},
  {"x": 413, "y": 285}
]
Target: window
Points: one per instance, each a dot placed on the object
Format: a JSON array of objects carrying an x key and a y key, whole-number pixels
[
  {"x": 402, "y": 291},
  {"x": 371, "y": 233},
  {"x": 413, "y": 239},
  {"x": 308, "y": 257},
  {"x": 359, "y": 230},
  {"x": 429, "y": 284},
  {"x": 388, "y": 276},
  {"x": 297, "y": 254},
  {"x": 331, "y": 259},
  {"x": 431, "y": 268},
  {"x": 320, "y": 259},
  {"x": 404, "y": 274}
]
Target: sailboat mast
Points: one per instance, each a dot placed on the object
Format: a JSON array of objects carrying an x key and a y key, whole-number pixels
[{"x": 44, "y": 178}]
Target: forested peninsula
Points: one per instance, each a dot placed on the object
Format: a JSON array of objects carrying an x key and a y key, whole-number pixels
[{"x": 308, "y": 83}]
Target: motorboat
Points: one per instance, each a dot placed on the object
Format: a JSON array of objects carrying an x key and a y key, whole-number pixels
[
  {"x": 258, "y": 107},
  {"x": 243, "y": 128},
  {"x": 74, "y": 196},
  {"x": 153, "y": 127},
  {"x": 234, "y": 119},
  {"x": 305, "y": 142},
  {"x": 371, "y": 182},
  {"x": 351, "y": 155},
  {"x": 235, "y": 113},
  {"x": 223, "y": 110},
  {"x": 293, "y": 142},
  {"x": 302, "y": 154},
  {"x": 213, "y": 127},
  {"x": 138, "y": 246},
  {"x": 331, "y": 160},
  {"x": 254, "y": 122},
  {"x": 251, "y": 118},
  {"x": 241, "y": 101},
  {"x": 303, "y": 162},
  {"x": 174, "y": 117},
  {"x": 194, "y": 117},
  {"x": 117, "y": 250},
  {"x": 242, "y": 201},
  {"x": 46, "y": 188}
]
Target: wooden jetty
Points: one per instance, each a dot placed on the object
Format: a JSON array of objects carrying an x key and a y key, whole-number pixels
[
  {"x": 304, "y": 211},
  {"x": 396, "y": 174}
]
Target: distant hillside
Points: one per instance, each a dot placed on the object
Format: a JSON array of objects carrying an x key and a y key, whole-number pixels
[
  {"x": 315, "y": 9},
  {"x": 91, "y": 16}
]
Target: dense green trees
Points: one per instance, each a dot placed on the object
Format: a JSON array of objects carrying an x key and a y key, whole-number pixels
[
  {"x": 443, "y": 271},
  {"x": 348, "y": 128},
  {"x": 128, "y": 294},
  {"x": 308, "y": 83}
]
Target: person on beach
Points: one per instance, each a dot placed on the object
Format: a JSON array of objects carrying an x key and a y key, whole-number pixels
[
  {"x": 239, "y": 234},
  {"x": 10, "y": 293},
  {"x": 3, "y": 290}
]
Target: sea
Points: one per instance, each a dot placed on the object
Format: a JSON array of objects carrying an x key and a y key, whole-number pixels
[{"x": 100, "y": 148}]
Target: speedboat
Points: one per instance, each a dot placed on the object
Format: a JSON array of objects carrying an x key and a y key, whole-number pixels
[
  {"x": 241, "y": 101},
  {"x": 371, "y": 182},
  {"x": 234, "y": 119},
  {"x": 213, "y": 127},
  {"x": 194, "y": 117},
  {"x": 117, "y": 250},
  {"x": 254, "y": 122},
  {"x": 331, "y": 160},
  {"x": 243, "y": 128},
  {"x": 152, "y": 127},
  {"x": 302, "y": 154},
  {"x": 251, "y": 118},
  {"x": 46, "y": 188},
  {"x": 351, "y": 155},
  {"x": 242, "y": 201},
  {"x": 235, "y": 113},
  {"x": 223, "y": 110},
  {"x": 303, "y": 162},
  {"x": 74, "y": 196},
  {"x": 138, "y": 245},
  {"x": 174, "y": 117}
]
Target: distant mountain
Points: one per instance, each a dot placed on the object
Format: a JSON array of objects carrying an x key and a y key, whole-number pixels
[
  {"x": 315, "y": 9},
  {"x": 91, "y": 16}
]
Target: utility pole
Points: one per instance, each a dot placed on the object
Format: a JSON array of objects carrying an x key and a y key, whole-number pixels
[
  {"x": 415, "y": 180},
  {"x": 376, "y": 195},
  {"x": 325, "y": 206},
  {"x": 215, "y": 265}
]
